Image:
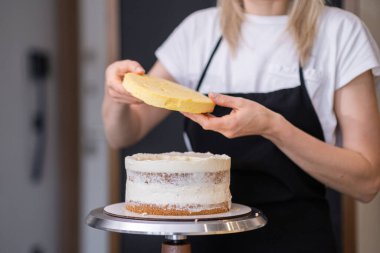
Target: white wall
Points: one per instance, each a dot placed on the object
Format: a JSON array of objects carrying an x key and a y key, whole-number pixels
[
  {"x": 94, "y": 170},
  {"x": 28, "y": 212},
  {"x": 368, "y": 215}
]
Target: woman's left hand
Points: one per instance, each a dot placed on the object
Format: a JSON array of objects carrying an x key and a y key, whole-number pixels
[{"x": 246, "y": 118}]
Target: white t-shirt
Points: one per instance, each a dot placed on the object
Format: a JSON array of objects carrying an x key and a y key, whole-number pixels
[{"x": 267, "y": 59}]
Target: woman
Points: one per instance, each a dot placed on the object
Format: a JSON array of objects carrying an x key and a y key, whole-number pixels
[{"x": 297, "y": 78}]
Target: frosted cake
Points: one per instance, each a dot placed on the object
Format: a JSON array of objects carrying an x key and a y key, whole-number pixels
[{"x": 178, "y": 183}]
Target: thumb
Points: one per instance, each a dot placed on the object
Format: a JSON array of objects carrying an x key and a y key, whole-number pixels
[{"x": 225, "y": 101}]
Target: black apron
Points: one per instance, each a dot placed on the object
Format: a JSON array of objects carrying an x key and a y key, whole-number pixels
[{"x": 264, "y": 177}]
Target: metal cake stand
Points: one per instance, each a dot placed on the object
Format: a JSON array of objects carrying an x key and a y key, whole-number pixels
[{"x": 115, "y": 218}]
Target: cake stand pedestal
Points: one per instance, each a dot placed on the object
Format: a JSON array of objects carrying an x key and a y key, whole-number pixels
[{"x": 175, "y": 229}]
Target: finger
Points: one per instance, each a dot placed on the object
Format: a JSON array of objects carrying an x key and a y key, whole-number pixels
[
  {"x": 115, "y": 72},
  {"x": 226, "y": 101},
  {"x": 124, "y": 101},
  {"x": 134, "y": 100},
  {"x": 127, "y": 101},
  {"x": 127, "y": 98},
  {"x": 199, "y": 118},
  {"x": 117, "y": 87},
  {"x": 208, "y": 121},
  {"x": 126, "y": 66},
  {"x": 116, "y": 95},
  {"x": 116, "y": 91},
  {"x": 117, "y": 69}
]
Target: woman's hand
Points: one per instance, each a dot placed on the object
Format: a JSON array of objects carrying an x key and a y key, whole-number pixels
[
  {"x": 126, "y": 118},
  {"x": 114, "y": 78},
  {"x": 246, "y": 118}
]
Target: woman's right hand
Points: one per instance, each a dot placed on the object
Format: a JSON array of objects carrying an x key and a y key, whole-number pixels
[{"x": 114, "y": 78}]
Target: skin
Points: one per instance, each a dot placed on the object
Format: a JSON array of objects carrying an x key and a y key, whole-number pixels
[{"x": 353, "y": 169}]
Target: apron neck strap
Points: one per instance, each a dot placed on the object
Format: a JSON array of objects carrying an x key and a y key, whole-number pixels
[
  {"x": 208, "y": 63},
  {"x": 301, "y": 75}
]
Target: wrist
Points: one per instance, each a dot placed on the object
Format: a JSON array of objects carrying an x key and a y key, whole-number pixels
[{"x": 278, "y": 130}]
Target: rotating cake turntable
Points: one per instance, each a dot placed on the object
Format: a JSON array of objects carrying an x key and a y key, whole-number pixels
[{"x": 115, "y": 218}]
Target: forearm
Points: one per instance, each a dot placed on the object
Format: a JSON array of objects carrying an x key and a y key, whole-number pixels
[
  {"x": 342, "y": 169},
  {"x": 121, "y": 123}
]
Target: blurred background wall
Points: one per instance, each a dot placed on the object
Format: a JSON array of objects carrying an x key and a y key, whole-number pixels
[
  {"x": 94, "y": 170},
  {"x": 43, "y": 202},
  {"x": 29, "y": 185}
]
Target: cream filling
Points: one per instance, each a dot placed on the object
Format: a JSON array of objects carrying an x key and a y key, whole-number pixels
[
  {"x": 159, "y": 194},
  {"x": 178, "y": 179}
]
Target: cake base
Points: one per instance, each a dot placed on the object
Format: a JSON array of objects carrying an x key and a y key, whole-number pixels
[
  {"x": 119, "y": 210},
  {"x": 173, "y": 211}
]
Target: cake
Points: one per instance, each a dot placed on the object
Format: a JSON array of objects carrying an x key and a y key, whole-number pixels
[
  {"x": 166, "y": 94},
  {"x": 178, "y": 183}
]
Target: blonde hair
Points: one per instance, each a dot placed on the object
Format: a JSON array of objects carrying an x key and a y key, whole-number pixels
[{"x": 302, "y": 24}]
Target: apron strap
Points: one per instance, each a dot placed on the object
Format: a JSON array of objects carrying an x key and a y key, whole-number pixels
[
  {"x": 301, "y": 75},
  {"x": 208, "y": 63}
]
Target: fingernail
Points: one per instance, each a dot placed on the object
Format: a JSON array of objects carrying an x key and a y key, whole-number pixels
[{"x": 139, "y": 69}]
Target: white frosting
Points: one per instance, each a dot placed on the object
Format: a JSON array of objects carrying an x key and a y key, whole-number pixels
[
  {"x": 182, "y": 179},
  {"x": 187, "y": 162}
]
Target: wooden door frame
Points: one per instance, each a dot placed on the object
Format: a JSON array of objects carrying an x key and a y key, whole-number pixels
[
  {"x": 348, "y": 204},
  {"x": 113, "y": 53},
  {"x": 68, "y": 104},
  {"x": 348, "y": 225}
]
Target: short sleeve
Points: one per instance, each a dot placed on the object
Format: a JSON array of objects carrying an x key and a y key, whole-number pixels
[
  {"x": 357, "y": 51},
  {"x": 173, "y": 53}
]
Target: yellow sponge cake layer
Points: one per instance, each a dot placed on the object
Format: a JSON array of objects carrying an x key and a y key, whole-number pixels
[{"x": 165, "y": 94}]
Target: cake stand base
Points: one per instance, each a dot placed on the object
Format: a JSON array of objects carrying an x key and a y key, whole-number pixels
[
  {"x": 176, "y": 231},
  {"x": 176, "y": 244}
]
